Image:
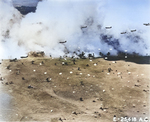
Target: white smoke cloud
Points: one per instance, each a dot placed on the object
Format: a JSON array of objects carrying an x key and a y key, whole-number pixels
[{"x": 59, "y": 20}]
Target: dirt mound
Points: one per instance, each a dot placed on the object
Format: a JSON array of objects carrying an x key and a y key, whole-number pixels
[{"x": 36, "y": 54}]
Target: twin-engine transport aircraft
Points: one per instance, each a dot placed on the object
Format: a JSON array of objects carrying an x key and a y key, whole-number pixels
[
  {"x": 146, "y": 24},
  {"x": 108, "y": 27}
]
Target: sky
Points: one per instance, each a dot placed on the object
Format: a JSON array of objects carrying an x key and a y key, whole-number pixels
[{"x": 133, "y": 12}]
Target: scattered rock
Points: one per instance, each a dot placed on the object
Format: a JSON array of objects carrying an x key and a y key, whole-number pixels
[
  {"x": 30, "y": 86},
  {"x": 81, "y": 82},
  {"x": 18, "y": 72},
  {"x": 96, "y": 112},
  {"x": 81, "y": 99},
  {"x": 6, "y": 83},
  {"x": 79, "y": 68},
  {"x": 87, "y": 65},
  {"x": 1, "y": 78},
  {"x": 101, "y": 108},
  {"x": 8, "y": 67},
  {"x": 109, "y": 70},
  {"x": 11, "y": 82},
  {"x": 60, "y": 119},
  {"x": 94, "y": 101},
  {"x": 13, "y": 60},
  {"x": 74, "y": 113},
  {"x": 145, "y": 90},
  {"x": 32, "y": 62},
  {"x": 48, "y": 79},
  {"x": 137, "y": 85}
]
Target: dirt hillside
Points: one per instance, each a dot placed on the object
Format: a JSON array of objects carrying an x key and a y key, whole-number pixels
[{"x": 80, "y": 90}]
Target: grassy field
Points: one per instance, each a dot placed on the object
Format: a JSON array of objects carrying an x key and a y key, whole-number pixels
[{"x": 84, "y": 90}]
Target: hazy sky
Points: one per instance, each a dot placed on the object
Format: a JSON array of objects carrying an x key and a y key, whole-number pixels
[
  {"x": 137, "y": 11},
  {"x": 25, "y": 2}
]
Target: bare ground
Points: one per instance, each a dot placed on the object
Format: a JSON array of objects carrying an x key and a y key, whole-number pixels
[{"x": 76, "y": 92}]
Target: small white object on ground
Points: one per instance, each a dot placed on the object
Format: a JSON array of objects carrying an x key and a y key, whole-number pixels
[
  {"x": 51, "y": 110},
  {"x": 71, "y": 72},
  {"x": 90, "y": 60},
  {"x": 80, "y": 73},
  {"x": 45, "y": 73},
  {"x": 60, "y": 73},
  {"x": 34, "y": 70},
  {"x": 95, "y": 64},
  {"x": 106, "y": 58},
  {"x": 118, "y": 73},
  {"x": 74, "y": 92},
  {"x": 103, "y": 90},
  {"x": 88, "y": 74}
]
